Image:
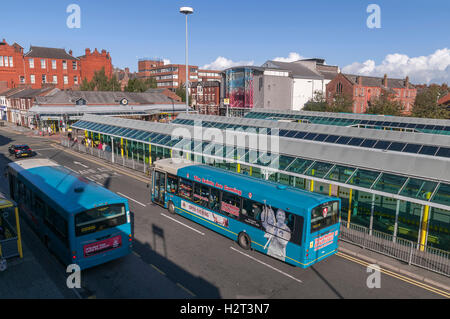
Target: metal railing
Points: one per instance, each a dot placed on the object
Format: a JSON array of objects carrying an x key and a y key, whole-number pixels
[
  {"x": 401, "y": 249},
  {"x": 136, "y": 162}
]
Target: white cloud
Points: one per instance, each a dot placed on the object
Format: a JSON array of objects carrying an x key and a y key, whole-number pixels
[
  {"x": 222, "y": 63},
  {"x": 293, "y": 56},
  {"x": 434, "y": 68},
  {"x": 166, "y": 61}
]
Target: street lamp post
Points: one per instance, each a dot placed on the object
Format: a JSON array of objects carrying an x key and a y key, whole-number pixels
[{"x": 186, "y": 11}]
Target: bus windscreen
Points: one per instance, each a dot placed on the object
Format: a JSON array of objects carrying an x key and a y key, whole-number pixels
[
  {"x": 99, "y": 219},
  {"x": 324, "y": 215}
]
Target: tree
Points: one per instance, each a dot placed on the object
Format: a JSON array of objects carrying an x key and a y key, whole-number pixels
[
  {"x": 181, "y": 92},
  {"x": 341, "y": 103},
  {"x": 385, "y": 105},
  {"x": 426, "y": 104},
  {"x": 100, "y": 82},
  {"x": 140, "y": 85},
  {"x": 317, "y": 103}
]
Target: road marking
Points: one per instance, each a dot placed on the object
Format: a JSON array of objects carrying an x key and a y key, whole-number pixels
[
  {"x": 90, "y": 179},
  {"x": 78, "y": 163},
  {"x": 267, "y": 265},
  {"x": 183, "y": 224},
  {"x": 398, "y": 276},
  {"x": 71, "y": 169},
  {"x": 132, "y": 199},
  {"x": 136, "y": 254},
  {"x": 77, "y": 154},
  {"x": 44, "y": 149},
  {"x": 158, "y": 270},
  {"x": 185, "y": 289}
]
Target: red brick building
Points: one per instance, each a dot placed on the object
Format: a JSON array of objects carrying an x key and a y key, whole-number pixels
[
  {"x": 169, "y": 76},
  {"x": 363, "y": 89},
  {"x": 206, "y": 97},
  {"x": 41, "y": 66}
]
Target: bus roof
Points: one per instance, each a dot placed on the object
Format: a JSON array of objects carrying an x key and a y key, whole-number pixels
[
  {"x": 72, "y": 192},
  {"x": 275, "y": 194}
]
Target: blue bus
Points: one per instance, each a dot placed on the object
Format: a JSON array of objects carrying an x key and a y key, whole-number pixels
[
  {"x": 292, "y": 225},
  {"x": 79, "y": 221}
]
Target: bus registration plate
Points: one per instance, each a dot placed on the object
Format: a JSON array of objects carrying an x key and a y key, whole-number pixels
[{"x": 102, "y": 246}]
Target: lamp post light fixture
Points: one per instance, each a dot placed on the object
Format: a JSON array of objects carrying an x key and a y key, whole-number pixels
[{"x": 186, "y": 11}]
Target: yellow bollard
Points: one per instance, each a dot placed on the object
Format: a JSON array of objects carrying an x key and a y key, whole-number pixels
[
  {"x": 425, "y": 221},
  {"x": 349, "y": 207},
  {"x": 19, "y": 235}
]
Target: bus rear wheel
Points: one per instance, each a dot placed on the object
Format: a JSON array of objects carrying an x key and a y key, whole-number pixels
[
  {"x": 244, "y": 241},
  {"x": 171, "y": 208}
]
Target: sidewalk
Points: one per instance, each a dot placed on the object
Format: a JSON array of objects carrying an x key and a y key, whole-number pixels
[
  {"x": 25, "y": 278},
  {"x": 388, "y": 263}
]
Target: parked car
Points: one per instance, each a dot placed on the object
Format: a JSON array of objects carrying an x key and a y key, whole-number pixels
[{"x": 20, "y": 150}]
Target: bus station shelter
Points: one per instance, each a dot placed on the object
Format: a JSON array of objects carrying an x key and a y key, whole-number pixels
[
  {"x": 394, "y": 183},
  {"x": 10, "y": 236}
]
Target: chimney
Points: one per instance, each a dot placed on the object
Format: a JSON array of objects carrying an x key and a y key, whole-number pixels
[
  {"x": 385, "y": 82},
  {"x": 407, "y": 82},
  {"x": 359, "y": 80},
  {"x": 88, "y": 51},
  {"x": 70, "y": 52},
  {"x": 127, "y": 70}
]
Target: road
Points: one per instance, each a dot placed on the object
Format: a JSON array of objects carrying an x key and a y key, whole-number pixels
[{"x": 190, "y": 261}]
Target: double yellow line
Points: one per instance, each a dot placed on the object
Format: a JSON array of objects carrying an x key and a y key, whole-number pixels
[{"x": 443, "y": 293}]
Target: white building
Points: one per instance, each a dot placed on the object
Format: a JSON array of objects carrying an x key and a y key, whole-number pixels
[{"x": 308, "y": 77}]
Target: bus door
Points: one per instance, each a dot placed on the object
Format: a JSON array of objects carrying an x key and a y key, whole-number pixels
[{"x": 159, "y": 187}]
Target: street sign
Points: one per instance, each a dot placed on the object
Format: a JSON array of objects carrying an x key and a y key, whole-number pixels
[{"x": 226, "y": 101}]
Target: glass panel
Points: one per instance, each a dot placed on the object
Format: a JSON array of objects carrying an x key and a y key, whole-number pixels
[
  {"x": 356, "y": 141},
  {"x": 310, "y": 136},
  {"x": 428, "y": 150},
  {"x": 343, "y": 140},
  {"x": 364, "y": 178},
  {"x": 368, "y": 143},
  {"x": 390, "y": 183},
  {"x": 382, "y": 145},
  {"x": 412, "y": 148},
  {"x": 284, "y": 161},
  {"x": 321, "y": 137},
  {"x": 442, "y": 195},
  {"x": 418, "y": 188},
  {"x": 331, "y": 138},
  {"x": 396, "y": 146},
  {"x": 300, "y": 134},
  {"x": 299, "y": 166},
  {"x": 319, "y": 169},
  {"x": 444, "y": 152},
  {"x": 439, "y": 229},
  {"x": 340, "y": 173}
]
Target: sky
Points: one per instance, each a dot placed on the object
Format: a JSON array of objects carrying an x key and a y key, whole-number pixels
[{"x": 413, "y": 37}]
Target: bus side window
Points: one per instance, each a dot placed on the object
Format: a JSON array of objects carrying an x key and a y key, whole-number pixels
[
  {"x": 251, "y": 209},
  {"x": 214, "y": 199},
  {"x": 39, "y": 207},
  {"x": 201, "y": 195},
  {"x": 172, "y": 184},
  {"x": 298, "y": 225},
  {"x": 230, "y": 205},
  {"x": 185, "y": 189}
]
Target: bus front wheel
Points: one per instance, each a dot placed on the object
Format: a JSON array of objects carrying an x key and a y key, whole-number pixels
[
  {"x": 244, "y": 241},
  {"x": 171, "y": 208}
]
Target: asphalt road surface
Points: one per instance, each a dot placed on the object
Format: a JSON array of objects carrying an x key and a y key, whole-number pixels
[{"x": 176, "y": 258}]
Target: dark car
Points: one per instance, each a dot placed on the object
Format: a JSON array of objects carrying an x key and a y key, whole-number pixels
[{"x": 20, "y": 150}]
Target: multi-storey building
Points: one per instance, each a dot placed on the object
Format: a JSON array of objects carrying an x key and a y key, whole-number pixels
[
  {"x": 41, "y": 66},
  {"x": 209, "y": 75},
  {"x": 170, "y": 76},
  {"x": 364, "y": 89}
]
